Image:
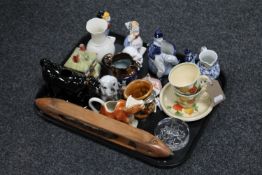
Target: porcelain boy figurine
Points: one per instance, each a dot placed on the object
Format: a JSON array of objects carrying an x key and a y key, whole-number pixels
[
  {"x": 133, "y": 42},
  {"x": 161, "y": 55}
]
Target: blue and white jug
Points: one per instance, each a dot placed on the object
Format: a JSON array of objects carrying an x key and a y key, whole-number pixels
[{"x": 208, "y": 63}]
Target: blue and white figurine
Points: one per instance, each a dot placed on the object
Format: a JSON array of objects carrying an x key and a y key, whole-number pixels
[
  {"x": 161, "y": 54},
  {"x": 190, "y": 56},
  {"x": 208, "y": 63}
]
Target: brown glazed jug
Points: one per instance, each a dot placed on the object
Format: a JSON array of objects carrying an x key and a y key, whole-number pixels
[
  {"x": 142, "y": 90},
  {"x": 121, "y": 66}
]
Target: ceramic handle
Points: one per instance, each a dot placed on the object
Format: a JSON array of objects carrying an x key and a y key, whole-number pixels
[
  {"x": 94, "y": 99},
  {"x": 204, "y": 81},
  {"x": 203, "y": 48},
  {"x": 107, "y": 60}
]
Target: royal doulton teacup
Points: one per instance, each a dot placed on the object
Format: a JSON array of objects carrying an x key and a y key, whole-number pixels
[{"x": 187, "y": 79}]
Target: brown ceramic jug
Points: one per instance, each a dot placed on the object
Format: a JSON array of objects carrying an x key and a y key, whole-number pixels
[
  {"x": 142, "y": 90},
  {"x": 121, "y": 66}
]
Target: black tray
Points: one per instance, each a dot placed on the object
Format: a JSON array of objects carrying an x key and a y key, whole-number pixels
[{"x": 147, "y": 124}]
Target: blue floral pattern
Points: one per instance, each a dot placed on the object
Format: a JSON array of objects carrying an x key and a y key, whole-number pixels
[{"x": 213, "y": 72}]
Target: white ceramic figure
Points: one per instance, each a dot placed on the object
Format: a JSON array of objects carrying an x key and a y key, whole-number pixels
[
  {"x": 164, "y": 63},
  {"x": 99, "y": 43},
  {"x": 134, "y": 39},
  {"x": 109, "y": 88}
]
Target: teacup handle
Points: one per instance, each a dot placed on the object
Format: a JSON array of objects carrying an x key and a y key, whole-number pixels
[
  {"x": 205, "y": 81},
  {"x": 107, "y": 60},
  {"x": 94, "y": 99}
]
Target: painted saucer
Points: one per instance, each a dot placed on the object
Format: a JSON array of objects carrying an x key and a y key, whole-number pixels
[{"x": 201, "y": 109}]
